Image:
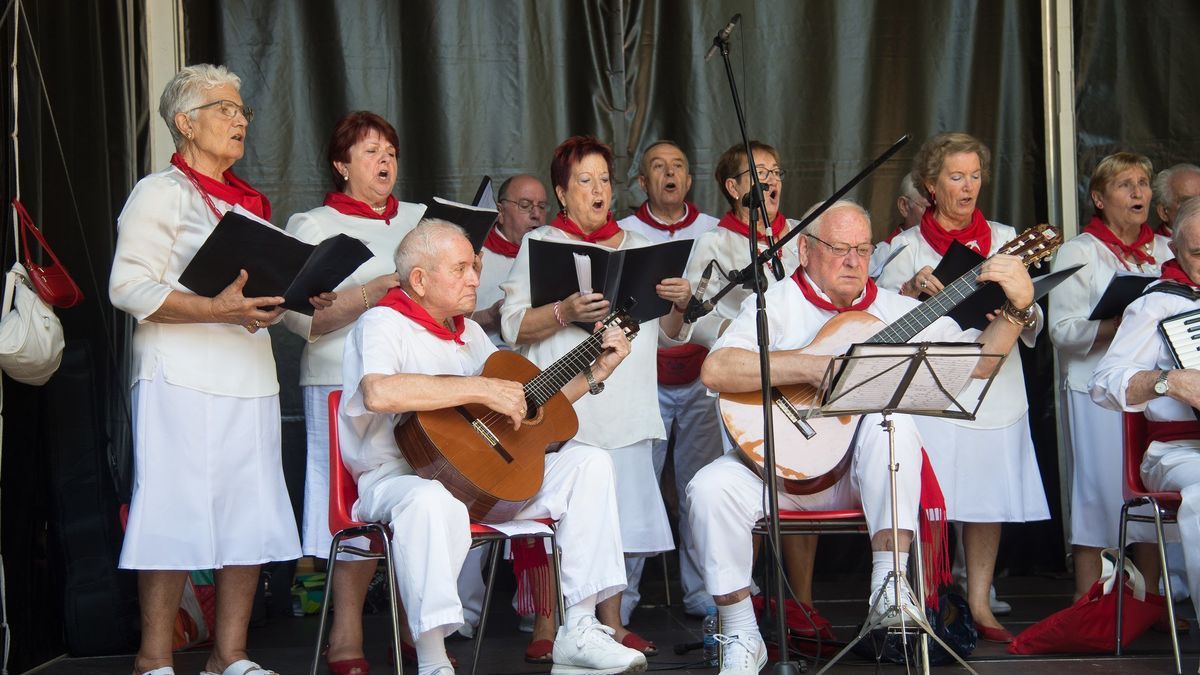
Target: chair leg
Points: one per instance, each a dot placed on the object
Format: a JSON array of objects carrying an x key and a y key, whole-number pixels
[
  {"x": 1166, "y": 576},
  {"x": 333, "y": 547},
  {"x": 666, "y": 577},
  {"x": 918, "y": 569},
  {"x": 493, "y": 559},
  {"x": 1119, "y": 584},
  {"x": 560, "y": 611},
  {"x": 392, "y": 601}
]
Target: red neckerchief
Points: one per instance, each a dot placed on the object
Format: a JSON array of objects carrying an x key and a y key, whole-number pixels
[
  {"x": 1135, "y": 251},
  {"x": 233, "y": 191},
  {"x": 690, "y": 213},
  {"x": 606, "y": 231},
  {"x": 398, "y": 300},
  {"x": 496, "y": 243},
  {"x": 977, "y": 235},
  {"x": 1163, "y": 229},
  {"x": 811, "y": 295},
  {"x": 349, "y": 206},
  {"x": 895, "y": 233},
  {"x": 731, "y": 222},
  {"x": 1171, "y": 271}
]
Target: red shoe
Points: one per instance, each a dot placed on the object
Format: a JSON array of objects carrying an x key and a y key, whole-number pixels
[
  {"x": 540, "y": 651},
  {"x": 990, "y": 634},
  {"x": 637, "y": 642},
  {"x": 349, "y": 667},
  {"x": 806, "y": 627}
]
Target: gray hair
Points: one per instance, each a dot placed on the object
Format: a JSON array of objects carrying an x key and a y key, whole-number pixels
[
  {"x": 1162, "y": 183},
  {"x": 1188, "y": 211},
  {"x": 420, "y": 248},
  {"x": 812, "y": 227},
  {"x": 908, "y": 189},
  {"x": 186, "y": 91}
]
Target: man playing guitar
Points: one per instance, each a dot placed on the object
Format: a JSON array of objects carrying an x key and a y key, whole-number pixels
[
  {"x": 726, "y": 497},
  {"x": 416, "y": 351}
]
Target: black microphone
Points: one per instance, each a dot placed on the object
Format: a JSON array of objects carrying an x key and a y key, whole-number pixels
[{"x": 722, "y": 37}]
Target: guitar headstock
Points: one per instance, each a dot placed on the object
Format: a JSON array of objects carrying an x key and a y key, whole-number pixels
[
  {"x": 1035, "y": 244},
  {"x": 621, "y": 319}
]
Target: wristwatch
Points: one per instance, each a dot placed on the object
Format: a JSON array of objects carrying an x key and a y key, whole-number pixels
[
  {"x": 594, "y": 387},
  {"x": 1161, "y": 386}
]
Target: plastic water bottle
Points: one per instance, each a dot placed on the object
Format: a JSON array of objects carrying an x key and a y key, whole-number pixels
[{"x": 710, "y": 636}]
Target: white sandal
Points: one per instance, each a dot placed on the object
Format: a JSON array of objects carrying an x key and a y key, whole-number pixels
[
  {"x": 242, "y": 667},
  {"x": 165, "y": 670}
]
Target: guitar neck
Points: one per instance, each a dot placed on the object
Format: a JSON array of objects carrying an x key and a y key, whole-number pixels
[
  {"x": 551, "y": 380},
  {"x": 920, "y": 317}
]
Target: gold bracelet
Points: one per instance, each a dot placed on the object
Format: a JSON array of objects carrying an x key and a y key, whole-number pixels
[
  {"x": 366, "y": 303},
  {"x": 1025, "y": 318}
]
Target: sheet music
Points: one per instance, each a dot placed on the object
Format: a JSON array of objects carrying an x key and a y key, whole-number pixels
[
  {"x": 875, "y": 372},
  {"x": 953, "y": 370},
  {"x": 583, "y": 271}
]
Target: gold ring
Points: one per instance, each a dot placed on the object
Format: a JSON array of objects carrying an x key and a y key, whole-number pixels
[
  {"x": 923, "y": 285},
  {"x": 257, "y": 324}
]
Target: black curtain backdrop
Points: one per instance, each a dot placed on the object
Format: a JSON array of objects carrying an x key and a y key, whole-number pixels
[{"x": 490, "y": 87}]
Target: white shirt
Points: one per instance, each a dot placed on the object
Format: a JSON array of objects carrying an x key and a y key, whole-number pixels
[
  {"x": 626, "y": 412},
  {"x": 1072, "y": 334},
  {"x": 496, "y": 269},
  {"x": 321, "y": 361},
  {"x": 385, "y": 342},
  {"x": 703, "y": 223},
  {"x": 1138, "y": 346},
  {"x": 1006, "y": 401},
  {"x": 163, "y": 224},
  {"x": 731, "y": 252}
]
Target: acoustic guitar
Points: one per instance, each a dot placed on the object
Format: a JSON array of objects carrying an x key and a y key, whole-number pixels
[
  {"x": 474, "y": 451},
  {"x": 807, "y": 465}
]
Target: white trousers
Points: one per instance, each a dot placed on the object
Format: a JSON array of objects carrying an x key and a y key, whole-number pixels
[
  {"x": 726, "y": 499},
  {"x": 431, "y": 534},
  {"x": 1175, "y": 466},
  {"x": 691, "y": 415}
]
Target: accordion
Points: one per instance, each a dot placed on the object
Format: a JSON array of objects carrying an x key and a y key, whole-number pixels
[{"x": 1182, "y": 334}]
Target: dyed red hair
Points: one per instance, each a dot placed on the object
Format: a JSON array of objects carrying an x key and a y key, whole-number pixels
[
  {"x": 352, "y": 128},
  {"x": 572, "y": 151}
]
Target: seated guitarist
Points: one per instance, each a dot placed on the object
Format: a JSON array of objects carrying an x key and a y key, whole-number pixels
[
  {"x": 1138, "y": 374},
  {"x": 417, "y": 351},
  {"x": 726, "y": 497}
]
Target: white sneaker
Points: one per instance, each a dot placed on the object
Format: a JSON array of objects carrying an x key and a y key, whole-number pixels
[
  {"x": 884, "y": 612},
  {"x": 444, "y": 670},
  {"x": 998, "y": 606},
  {"x": 588, "y": 647},
  {"x": 742, "y": 655}
]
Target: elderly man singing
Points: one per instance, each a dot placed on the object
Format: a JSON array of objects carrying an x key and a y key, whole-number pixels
[
  {"x": 1138, "y": 374},
  {"x": 417, "y": 351},
  {"x": 726, "y": 497},
  {"x": 1172, "y": 187}
]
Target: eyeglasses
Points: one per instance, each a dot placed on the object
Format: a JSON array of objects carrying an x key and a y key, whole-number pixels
[
  {"x": 527, "y": 205},
  {"x": 843, "y": 250},
  {"x": 228, "y": 109},
  {"x": 764, "y": 174}
]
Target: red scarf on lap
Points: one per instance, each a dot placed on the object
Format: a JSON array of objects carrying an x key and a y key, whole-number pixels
[
  {"x": 400, "y": 301},
  {"x": 976, "y": 236},
  {"x": 349, "y": 206},
  {"x": 1137, "y": 251},
  {"x": 233, "y": 191},
  {"x": 496, "y": 243},
  {"x": 606, "y": 231},
  {"x": 690, "y": 213}
]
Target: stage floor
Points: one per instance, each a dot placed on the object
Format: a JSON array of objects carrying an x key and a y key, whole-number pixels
[{"x": 286, "y": 643}]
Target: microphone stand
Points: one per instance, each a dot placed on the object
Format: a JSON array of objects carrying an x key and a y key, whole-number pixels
[{"x": 785, "y": 666}]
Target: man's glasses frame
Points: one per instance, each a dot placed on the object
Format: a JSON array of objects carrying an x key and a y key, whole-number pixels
[{"x": 842, "y": 250}]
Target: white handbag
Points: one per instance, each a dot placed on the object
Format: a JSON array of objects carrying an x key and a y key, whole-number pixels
[{"x": 31, "y": 336}]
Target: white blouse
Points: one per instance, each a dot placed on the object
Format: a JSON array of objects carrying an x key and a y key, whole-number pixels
[
  {"x": 321, "y": 361},
  {"x": 627, "y": 410},
  {"x": 163, "y": 224},
  {"x": 1006, "y": 401},
  {"x": 1072, "y": 334}
]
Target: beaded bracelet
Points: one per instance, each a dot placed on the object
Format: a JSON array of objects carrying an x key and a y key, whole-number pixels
[
  {"x": 557, "y": 316},
  {"x": 366, "y": 303}
]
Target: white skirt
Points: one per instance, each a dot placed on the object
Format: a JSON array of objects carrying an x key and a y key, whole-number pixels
[
  {"x": 987, "y": 475},
  {"x": 644, "y": 525},
  {"x": 208, "y": 486}
]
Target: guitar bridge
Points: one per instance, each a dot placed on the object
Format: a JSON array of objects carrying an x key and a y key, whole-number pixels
[
  {"x": 789, "y": 411},
  {"x": 482, "y": 429}
]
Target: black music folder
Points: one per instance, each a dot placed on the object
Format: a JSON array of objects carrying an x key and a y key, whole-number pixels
[
  {"x": 1124, "y": 288},
  {"x": 620, "y": 276},
  {"x": 476, "y": 220},
  {"x": 276, "y": 262}
]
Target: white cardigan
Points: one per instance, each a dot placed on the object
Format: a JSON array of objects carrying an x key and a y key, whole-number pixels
[{"x": 163, "y": 224}]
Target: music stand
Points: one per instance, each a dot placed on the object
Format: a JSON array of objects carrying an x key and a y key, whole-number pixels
[{"x": 915, "y": 379}]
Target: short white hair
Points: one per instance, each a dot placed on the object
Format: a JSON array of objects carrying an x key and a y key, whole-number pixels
[
  {"x": 1188, "y": 211},
  {"x": 186, "y": 91},
  {"x": 1162, "y": 183},
  {"x": 908, "y": 189},
  {"x": 420, "y": 248},
  {"x": 812, "y": 227}
]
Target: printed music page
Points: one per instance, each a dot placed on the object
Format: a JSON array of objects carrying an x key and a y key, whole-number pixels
[{"x": 910, "y": 378}]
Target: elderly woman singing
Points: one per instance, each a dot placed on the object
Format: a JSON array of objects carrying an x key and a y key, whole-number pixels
[{"x": 208, "y": 484}]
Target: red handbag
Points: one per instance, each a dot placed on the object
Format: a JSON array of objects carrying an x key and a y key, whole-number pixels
[
  {"x": 1089, "y": 625},
  {"x": 52, "y": 282}
]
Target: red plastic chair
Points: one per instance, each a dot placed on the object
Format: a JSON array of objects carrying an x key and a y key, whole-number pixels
[
  {"x": 343, "y": 492},
  {"x": 1164, "y": 505}
]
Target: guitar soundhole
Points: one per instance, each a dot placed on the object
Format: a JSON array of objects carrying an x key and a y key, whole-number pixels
[{"x": 534, "y": 416}]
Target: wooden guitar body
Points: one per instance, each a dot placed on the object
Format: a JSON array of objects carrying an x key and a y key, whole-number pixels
[
  {"x": 803, "y": 466},
  {"x": 478, "y": 456}
]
